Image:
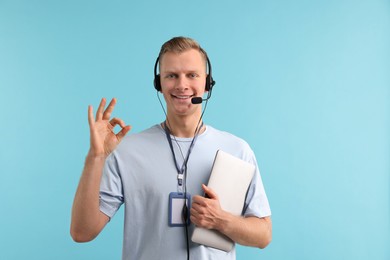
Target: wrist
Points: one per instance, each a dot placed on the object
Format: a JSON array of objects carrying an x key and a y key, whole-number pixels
[
  {"x": 224, "y": 222},
  {"x": 92, "y": 155},
  {"x": 94, "y": 162}
]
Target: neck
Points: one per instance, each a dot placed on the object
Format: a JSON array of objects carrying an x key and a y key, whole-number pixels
[{"x": 183, "y": 127}]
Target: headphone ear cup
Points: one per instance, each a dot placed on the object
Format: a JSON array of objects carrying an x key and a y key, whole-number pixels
[
  {"x": 208, "y": 83},
  {"x": 157, "y": 82}
]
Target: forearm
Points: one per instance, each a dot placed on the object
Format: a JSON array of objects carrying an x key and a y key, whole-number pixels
[
  {"x": 87, "y": 219},
  {"x": 248, "y": 231}
]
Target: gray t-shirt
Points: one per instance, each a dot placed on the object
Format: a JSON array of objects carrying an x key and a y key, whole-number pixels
[{"x": 141, "y": 173}]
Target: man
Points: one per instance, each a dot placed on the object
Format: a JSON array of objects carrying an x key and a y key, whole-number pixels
[{"x": 143, "y": 169}]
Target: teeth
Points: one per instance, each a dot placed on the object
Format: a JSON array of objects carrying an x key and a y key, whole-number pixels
[{"x": 182, "y": 97}]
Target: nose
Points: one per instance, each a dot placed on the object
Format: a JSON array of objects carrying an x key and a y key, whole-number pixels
[{"x": 182, "y": 83}]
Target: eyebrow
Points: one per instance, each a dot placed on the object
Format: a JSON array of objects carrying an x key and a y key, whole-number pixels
[{"x": 187, "y": 71}]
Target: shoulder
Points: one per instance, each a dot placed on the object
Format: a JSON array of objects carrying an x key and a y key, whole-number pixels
[
  {"x": 226, "y": 136},
  {"x": 229, "y": 142}
]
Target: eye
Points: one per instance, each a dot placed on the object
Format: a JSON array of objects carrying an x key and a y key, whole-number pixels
[
  {"x": 170, "y": 76},
  {"x": 193, "y": 75}
]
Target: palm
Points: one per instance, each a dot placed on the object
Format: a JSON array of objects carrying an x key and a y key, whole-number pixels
[{"x": 103, "y": 139}]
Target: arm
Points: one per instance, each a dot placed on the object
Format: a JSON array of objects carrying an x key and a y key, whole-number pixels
[
  {"x": 87, "y": 219},
  {"x": 248, "y": 231}
]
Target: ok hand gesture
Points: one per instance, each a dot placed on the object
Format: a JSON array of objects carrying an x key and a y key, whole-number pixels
[{"x": 102, "y": 137}]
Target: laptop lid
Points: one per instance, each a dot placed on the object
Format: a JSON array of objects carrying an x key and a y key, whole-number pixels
[{"x": 230, "y": 178}]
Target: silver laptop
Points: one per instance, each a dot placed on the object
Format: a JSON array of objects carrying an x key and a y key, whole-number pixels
[{"x": 230, "y": 178}]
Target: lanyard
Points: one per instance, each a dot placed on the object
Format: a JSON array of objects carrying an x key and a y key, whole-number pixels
[{"x": 183, "y": 169}]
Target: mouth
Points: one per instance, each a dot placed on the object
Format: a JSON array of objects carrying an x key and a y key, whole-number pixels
[{"x": 182, "y": 97}]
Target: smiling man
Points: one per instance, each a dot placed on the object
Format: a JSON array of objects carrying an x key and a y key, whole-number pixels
[{"x": 157, "y": 173}]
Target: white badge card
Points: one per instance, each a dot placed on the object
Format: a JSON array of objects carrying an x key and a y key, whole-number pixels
[{"x": 179, "y": 209}]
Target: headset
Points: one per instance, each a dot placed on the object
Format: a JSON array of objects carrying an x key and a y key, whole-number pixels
[{"x": 209, "y": 79}]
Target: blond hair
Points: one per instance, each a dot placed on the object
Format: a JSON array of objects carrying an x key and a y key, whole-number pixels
[{"x": 181, "y": 44}]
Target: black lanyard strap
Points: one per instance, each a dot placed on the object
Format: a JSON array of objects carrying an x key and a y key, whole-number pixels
[{"x": 180, "y": 171}]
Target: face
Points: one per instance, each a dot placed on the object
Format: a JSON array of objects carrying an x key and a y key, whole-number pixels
[{"x": 183, "y": 76}]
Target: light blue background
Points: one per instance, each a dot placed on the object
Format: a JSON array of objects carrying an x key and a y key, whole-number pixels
[{"x": 306, "y": 83}]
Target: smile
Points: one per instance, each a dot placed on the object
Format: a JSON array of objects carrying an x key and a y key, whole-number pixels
[{"x": 182, "y": 97}]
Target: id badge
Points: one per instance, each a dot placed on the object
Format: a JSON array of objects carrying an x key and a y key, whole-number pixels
[{"x": 179, "y": 209}]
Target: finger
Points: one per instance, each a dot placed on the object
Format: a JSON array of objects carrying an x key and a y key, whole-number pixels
[
  {"x": 194, "y": 220},
  {"x": 194, "y": 216},
  {"x": 91, "y": 119},
  {"x": 199, "y": 203},
  {"x": 194, "y": 213},
  {"x": 209, "y": 192},
  {"x": 123, "y": 132},
  {"x": 197, "y": 199},
  {"x": 194, "y": 207},
  {"x": 198, "y": 210},
  {"x": 109, "y": 109},
  {"x": 117, "y": 121},
  {"x": 99, "y": 112}
]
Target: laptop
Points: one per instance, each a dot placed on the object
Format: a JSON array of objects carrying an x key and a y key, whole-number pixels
[{"x": 230, "y": 178}]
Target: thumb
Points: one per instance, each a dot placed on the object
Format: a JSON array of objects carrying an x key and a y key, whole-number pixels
[
  {"x": 123, "y": 132},
  {"x": 209, "y": 192}
]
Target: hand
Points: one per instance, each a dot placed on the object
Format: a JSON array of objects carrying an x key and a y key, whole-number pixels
[
  {"x": 207, "y": 212},
  {"x": 103, "y": 139}
]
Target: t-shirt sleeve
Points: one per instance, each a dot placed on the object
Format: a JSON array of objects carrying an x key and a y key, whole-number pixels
[
  {"x": 256, "y": 202},
  {"x": 111, "y": 192}
]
